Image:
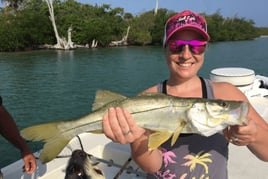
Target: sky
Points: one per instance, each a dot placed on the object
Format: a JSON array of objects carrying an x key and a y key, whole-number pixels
[{"x": 255, "y": 10}]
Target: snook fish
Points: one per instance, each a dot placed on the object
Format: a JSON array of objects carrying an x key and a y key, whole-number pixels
[{"x": 167, "y": 116}]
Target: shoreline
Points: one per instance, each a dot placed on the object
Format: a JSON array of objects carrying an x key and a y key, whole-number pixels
[{"x": 263, "y": 36}]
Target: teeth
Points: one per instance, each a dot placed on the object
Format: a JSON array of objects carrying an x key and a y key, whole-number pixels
[{"x": 185, "y": 64}]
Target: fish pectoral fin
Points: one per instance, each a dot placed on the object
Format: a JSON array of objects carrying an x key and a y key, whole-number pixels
[
  {"x": 215, "y": 121},
  {"x": 157, "y": 138},
  {"x": 177, "y": 132}
]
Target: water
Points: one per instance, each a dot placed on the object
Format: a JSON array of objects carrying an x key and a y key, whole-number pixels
[{"x": 42, "y": 86}]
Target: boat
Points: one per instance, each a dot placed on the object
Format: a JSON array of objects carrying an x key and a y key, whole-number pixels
[
  {"x": 115, "y": 159},
  {"x": 244, "y": 79}
]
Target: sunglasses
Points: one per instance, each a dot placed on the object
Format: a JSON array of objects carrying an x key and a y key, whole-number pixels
[{"x": 196, "y": 47}]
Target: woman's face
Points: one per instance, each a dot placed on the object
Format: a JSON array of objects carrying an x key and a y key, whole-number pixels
[{"x": 184, "y": 61}]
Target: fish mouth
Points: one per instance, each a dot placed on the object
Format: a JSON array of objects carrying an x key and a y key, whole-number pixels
[
  {"x": 241, "y": 113},
  {"x": 244, "y": 111}
]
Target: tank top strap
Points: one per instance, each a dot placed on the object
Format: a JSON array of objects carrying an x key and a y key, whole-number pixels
[
  {"x": 204, "y": 88},
  {"x": 209, "y": 88},
  {"x": 162, "y": 87}
]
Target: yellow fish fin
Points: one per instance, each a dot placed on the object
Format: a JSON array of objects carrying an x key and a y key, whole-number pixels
[
  {"x": 157, "y": 138},
  {"x": 177, "y": 132},
  {"x": 104, "y": 97}
]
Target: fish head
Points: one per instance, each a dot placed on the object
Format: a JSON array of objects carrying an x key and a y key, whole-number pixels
[
  {"x": 211, "y": 116},
  {"x": 228, "y": 112}
]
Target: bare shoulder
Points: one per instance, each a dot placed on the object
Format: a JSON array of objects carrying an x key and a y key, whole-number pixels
[
  {"x": 224, "y": 90},
  {"x": 152, "y": 89}
]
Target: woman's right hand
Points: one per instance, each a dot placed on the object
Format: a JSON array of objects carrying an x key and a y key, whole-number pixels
[{"x": 119, "y": 126}]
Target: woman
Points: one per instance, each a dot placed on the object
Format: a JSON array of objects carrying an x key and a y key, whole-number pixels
[
  {"x": 193, "y": 155},
  {"x": 8, "y": 130}
]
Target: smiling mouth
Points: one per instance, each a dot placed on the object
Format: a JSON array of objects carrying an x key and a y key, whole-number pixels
[{"x": 184, "y": 64}]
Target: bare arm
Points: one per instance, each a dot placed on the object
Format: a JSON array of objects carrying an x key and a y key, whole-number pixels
[{"x": 9, "y": 131}]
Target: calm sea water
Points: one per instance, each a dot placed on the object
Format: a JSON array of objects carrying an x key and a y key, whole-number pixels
[{"x": 43, "y": 86}]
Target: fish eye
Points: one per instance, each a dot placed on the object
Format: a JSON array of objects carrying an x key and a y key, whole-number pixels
[{"x": 223, "y": 104}]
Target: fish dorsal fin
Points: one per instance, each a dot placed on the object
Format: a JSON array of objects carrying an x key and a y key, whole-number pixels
[
  {"x": 177, "y": 132},
  {"x": 157, "y": 138},
  {"x": 104, "y": 97}
]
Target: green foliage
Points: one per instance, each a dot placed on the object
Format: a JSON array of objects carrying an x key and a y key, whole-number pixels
[
  {"x": 24, "y": 29},
  {"x": 230, "y": 29},
  {"x": 262, "y": 31},
  {"x": 157, "y": 31},
  {"x": 8, "y": 34},
  {"x": 29, "y": 25},
  {"x": 147, "y": 28}
]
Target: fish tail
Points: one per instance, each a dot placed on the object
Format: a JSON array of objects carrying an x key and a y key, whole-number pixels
[{"x": 55, "y": 139}]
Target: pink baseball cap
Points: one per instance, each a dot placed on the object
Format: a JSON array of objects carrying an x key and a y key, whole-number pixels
[{"x": 185, "y": 20}]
